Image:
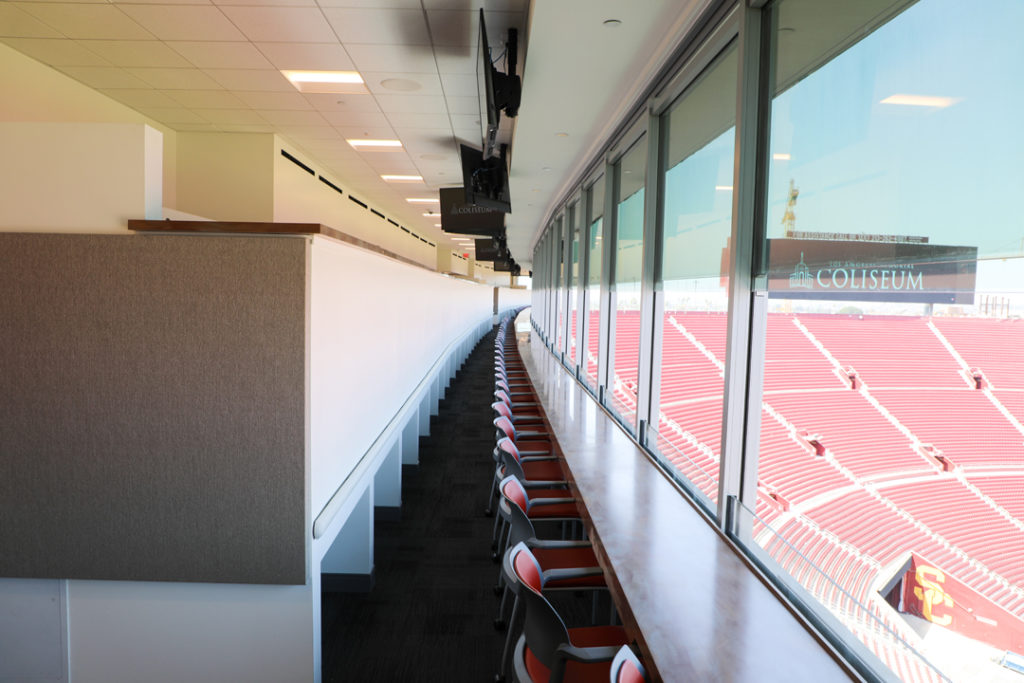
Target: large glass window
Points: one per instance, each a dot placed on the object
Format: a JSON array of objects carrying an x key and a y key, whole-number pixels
[
  {"x": 891, "y": 467},
  {"x": 697, "y": 204},
  {"x": 573, "y": 280},
  {"x": 630, "y": 175},
  {"x": 560, "y": 286},
  {"x": 593, "y": 304}
]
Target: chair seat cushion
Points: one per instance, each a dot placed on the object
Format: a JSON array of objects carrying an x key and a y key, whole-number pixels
[{"x": 590, "y": 636}]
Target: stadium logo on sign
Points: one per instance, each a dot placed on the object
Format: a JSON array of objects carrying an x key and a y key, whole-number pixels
[
  {"x": 801, "y": 276},
  {"x": 930, "y": 592}
]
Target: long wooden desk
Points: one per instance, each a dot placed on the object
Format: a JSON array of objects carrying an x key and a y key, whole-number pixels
[{"x": 698, "y": 611}]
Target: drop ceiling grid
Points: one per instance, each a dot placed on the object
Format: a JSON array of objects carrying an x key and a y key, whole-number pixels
[{"x": 197, "y": 65}]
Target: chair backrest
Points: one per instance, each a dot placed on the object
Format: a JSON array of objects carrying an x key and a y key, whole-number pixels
[
  {"x": 502, "y": 409},
  {"x": 520, "y": 527},
  {"x": 507, "y": 455},
  {"x": 543, "y": 627},
  {"x": 502, "y": 395},
  {"x": 501, "y": 384},
  {"x": 504, "y": 426},
  {"x": 626, "y": 667}
]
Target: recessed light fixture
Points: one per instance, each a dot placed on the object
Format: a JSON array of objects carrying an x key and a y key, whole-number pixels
[
  {"x": 403, "y": 178},
  {"x": 437, "y": 225},
  {"x": 422, "y": 200},
  {"x": 401, "y": 84},
  {"x": 561, "y": 135},
  {"x": 430, "y": 214},
  {"x": 546, "y": 169},
  {"x": 326, "y": 81},
  {"x": 368, "y": 143},
  {"x": 723, "y": 188},
  {"x": 781, "y": 156},
  {"x": 612, "y": 22},
  {"x": 921, "y": 100}
]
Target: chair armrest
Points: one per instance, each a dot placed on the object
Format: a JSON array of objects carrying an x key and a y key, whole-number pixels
[
  {"x": 587, "y": 654},
  {"x": 570, "y": 573},
  {"x": 555, "y": 544},
  {"x": 534, "y": 502}
]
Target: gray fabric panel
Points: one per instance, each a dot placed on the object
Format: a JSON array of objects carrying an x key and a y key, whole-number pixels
[{"x": 152, "y": 397}]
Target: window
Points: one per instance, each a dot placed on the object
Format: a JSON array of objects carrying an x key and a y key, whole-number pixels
[
  {"x": 630, "y": 175},
  {"x": 573, "y": 281},
  {"x": 697, "y": 221},
  {"x": 892, "y": 432},
  {"x": 593, "y": 304}
]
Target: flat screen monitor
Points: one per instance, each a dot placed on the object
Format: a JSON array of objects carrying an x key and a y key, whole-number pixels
[
  {"x": 486, "y": 249},
  {"x": 496, "y": 91},
  {"x": 485, "y": 181},
  {"x": 462, "y": 218}
]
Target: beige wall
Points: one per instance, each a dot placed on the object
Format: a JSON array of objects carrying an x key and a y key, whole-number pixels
[
  {"x": 34, "y": 92},
  {"x": 226, "y": 176}
]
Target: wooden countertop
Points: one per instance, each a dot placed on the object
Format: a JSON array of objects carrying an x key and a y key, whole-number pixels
[{"x": 699, "y": 612}]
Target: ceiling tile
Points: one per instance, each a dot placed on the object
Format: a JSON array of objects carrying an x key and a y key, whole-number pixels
[
  {"x": 492, "y": 5},
  {"x": 184, "y": 22},
  {"x": 207, "y": 99},
  {"x": 352, "y": 119},
  {"x": 55, "y": 52},
  {"x": 392, "y": 58},
  {"x": 372, "y": 133},
  {"x": 136, "y": 53},
  {"x": 275, "y": 3},
  {"x": 379, "y": 4},
  {"x": 231, "y": 116},
  {"x": 412, "y": 104},
  {"x": 172, "y": 115},
  {"x": 400, "y": 120},
  {"x": 15, "y": 23},
  {"x": 456, "y": 60},
  {"x": 463, "y": 105},
  {"x": 454, "y": 27},
  {"x": 141, "y": 98},
  {"x": 176, "y": 79},
  {"x": 282, "y": 24},
  {"x": 432, "y": 143},
  {"x": 246, "y": 128},
  {"x": 292, "y": 118},
  {"x": 262, "y": 80},
  {"x": 275, "y": 100},
  {"x": 399, "y": 83},
  {"x": 87, "y": 21},
  {"x": 306, "y": 133},
  {"x": 379, "y": 26},
  {"x": 160, "y": 2},
  {"x": 459, "y": 85},
  {"x": 313, "y": 56},
  {"x": 342, "y": 103},
  {"x": 467, "y": 121},
  {"x": 101, "y": 77},
  {"x": 397, "y": 164},
  {"x": 221, "y": 55},
  {"x": 195, "y": 127}
]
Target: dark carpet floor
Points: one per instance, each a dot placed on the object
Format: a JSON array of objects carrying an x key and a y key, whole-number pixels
[{"x": 428, "y": 617}]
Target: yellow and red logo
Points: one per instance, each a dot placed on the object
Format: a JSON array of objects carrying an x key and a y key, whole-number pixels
[{"x": 930, "y": 592}]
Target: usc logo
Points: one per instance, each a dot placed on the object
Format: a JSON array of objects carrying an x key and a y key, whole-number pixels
[{"x": 930, "y": 592}]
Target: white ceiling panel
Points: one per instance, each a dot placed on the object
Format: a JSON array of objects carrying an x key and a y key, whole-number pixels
[
  {"x": 207, "y": 99},
  {"x": 318, "y": 133},
  {"x": 379, "y": 26},
  {"x": 142, "y": 98},
  {"x": 197, "y": 127},
  {"x": 15, "y": 23},
  {"x": 492, "y": 5},
  {"x": 286, "y": 117},
  {"x": 151, "y": 53},
  {"x": 275, "y": 100},
  {"x": 456, "y": 60},
  {"x": 101, "y": 77},
  {"x": 400, "y": 120},
  {"x": 466, "y": 122},
  {"x": 411, "y": 104},
  {"x": 313, "y": 56},
  {"x": 378, "y": 4},
  {"x": 154, "y": 2},
  {"x": 275, "y": 3},
  {"x": 262, "y": 80},
  {"x": 392, "y": 58},
  {"x": 464, "y": 105},
  {"x": 56, "y": 52},
  {"x": 172, "y": 115},
  {"x": 460, "y": 85},
  {"x": 246, "y": 128},
  {"x": 232, "y": 117},
  {"x": 175, "y": 79},
  {"x": 282, "y": 24},
  {"x": 357, "y": 119},
  {"x": 87, "y": 21},
  {"x": 398, "y": 83},
  {"x": 184, "y": 22},
  {"x": 342, "y": 103},
  {"x": 371, "y": 133},
  {"x": 221, "y": 54}
]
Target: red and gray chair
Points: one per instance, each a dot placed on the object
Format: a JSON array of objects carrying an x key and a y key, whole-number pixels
[{"x": 626, "y": 667}]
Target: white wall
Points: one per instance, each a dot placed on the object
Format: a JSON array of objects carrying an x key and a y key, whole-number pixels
[
  {"x": 377, "y": 325},
  {"x": 79, "y": 177},
  {"x": 302, "y": 198},
  {"x": 226, "y": 176}
]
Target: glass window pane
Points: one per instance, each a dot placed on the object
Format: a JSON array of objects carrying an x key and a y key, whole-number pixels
[
  {"x": 698, "y": 176},
  {"x": 892, "y": 432},
  {"x": 631, "y": 172},
  {"x": 574, "y": 280},
  {"x": 595, "y": 199},
  {"x": 559, "y": 286}
]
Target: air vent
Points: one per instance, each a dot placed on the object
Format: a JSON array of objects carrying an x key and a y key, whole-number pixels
[
  {"x": 362, "y": 204},
  {"x": 375, "y": 212},
  {"x": 404, "y": 228},
  {"x": 331, "y": 185},
  {"x": 394, "y": 223},
  {"x": 298, "y": 163}
]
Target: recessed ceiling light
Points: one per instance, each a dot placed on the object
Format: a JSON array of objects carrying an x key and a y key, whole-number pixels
[
  {"x": 612, "y": 22},
  {"x": 781, "y": 156},
  {"x": 437, "y": 225},
  {"x": 401, "y": 84},
  {"x": 561, "y": 135},
  {"x": 430, "y": 214},
  {"x": 326, "y": 81},
  {"x": 403, "y": 178},
  {"x": 921, "y": 100},
  {"x": 422, "y": 200},
  {"x": 366, "y": 142},
  {"x": 723, "y": 188},
  {"x": 546, "y": 169}
]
